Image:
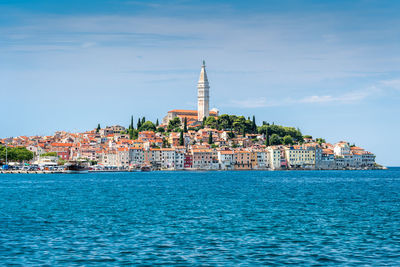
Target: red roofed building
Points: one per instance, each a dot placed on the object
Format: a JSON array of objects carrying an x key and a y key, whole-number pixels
[{"x": 63, "y": 150}]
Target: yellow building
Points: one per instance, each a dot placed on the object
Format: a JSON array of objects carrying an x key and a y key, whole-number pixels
[{"x": 300, "y": 157}]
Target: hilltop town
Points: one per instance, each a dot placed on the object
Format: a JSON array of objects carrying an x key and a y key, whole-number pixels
[{"x": 190, "y": 140}]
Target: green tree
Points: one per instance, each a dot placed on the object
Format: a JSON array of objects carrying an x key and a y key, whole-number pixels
[
  {"x": 185, "y": 129},
  {"x": 254, "y": 125},
  {"x": 248, "y": 125},
  {"x": 321, "y": 141},
  {"x": 275, "y": 140},
  {"x": 147, "y": 126},
  {"x": 98, "y": 128},
  {"x": 133, "y": 134},
  {"x": 307, "y": 136},
  {"x": 276, "y": 129},
  {"x": 165, "y": 143},
  {"x": 210, "y": 139},
  {"x": 131, "y": 126},
  {"x": 203, "y": 123},
  {"x": 181, "y": 141},
  {"x": 287, "y": 140},
  {"x": 267, "y": 136},
  {"x": 143, "y": 120},
  {"x": 139, "y": 124},
  {"x": 239, "y": 123},
  {"x": 15, "y": 154},
  {"x": 281, "y": 131},
  {"x": 49, "y": 154},
  {"x": 157, "y": 123},
  {"x": 160, "y": 129},
  {"x": 174, "y": 124},
  {"x": 211, "y": 122},
  {"x": 224, "y": 122}
]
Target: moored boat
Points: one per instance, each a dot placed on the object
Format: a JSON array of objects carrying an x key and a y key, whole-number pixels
[
  {"x": 76, "y": 167},
  {"x": 145, "y": 168}
]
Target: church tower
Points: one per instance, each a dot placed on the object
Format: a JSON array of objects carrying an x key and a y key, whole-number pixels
[{"x": 203, "y": 94}]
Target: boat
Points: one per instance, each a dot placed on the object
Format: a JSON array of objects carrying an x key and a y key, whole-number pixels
[
  {"x": 76, "y": 167},
  {"x": 145, "y": 168}
]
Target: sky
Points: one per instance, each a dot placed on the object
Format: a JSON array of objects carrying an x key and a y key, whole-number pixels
[{"x": 331, "y": 68}]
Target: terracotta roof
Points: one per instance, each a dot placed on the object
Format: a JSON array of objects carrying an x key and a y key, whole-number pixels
[
  {"x": 62, "y": 144},
  {"x": 167, "y": 149},
  {"x": 226, "y": 152},
  {"x": 189, "y": 112}
]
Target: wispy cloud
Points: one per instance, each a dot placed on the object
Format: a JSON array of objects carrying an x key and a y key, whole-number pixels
[
  {"x": 88, "y": 44},
  {"x": 394, "y": 84},
  {"x": 251, "y": 103},
  {"x": 348, "y": 98}
]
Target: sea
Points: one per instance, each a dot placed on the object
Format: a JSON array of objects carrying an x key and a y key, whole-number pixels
[{"x": 217, "y": 218}]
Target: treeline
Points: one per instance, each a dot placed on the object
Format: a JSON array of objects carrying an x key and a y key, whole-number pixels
[
  {"x": 235, "y": 123},
  {"x": 15, "y": 154},
  {"x": 278, "y": 135},
  {"x": 275, "y": 134},
  {"x": 142, "y": 125}
]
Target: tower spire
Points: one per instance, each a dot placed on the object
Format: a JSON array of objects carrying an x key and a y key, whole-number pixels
[{"x": 203, "y": 96}]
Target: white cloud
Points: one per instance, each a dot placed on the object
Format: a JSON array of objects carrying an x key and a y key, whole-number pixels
[
  {"x": 345, "y": 98},
  {"x": 395, "y": 83},
  {"x": 88, "y": 44},
  {"x": 251, "y": 103},
  {"x": 348, "y": 98},
  {"x": 317, "y": 99}
]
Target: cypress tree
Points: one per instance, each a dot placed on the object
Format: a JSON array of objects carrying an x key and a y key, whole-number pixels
[
  {"x": 98, "y": 128},
  {"x": 204, "y": 121},
  {"x": 181, "y": 141},
  {"x": 254, "y": 125},
  {"x": 185, "y": 125},
  {"x": 143, "y": 120},
  {"x": 139, "y": 124},
  {"x": 210, "y": 139},
  {"x": 157, "y": 123},
  {"x": 131, "y": 126},
  {"x": 267, "y": 137}
]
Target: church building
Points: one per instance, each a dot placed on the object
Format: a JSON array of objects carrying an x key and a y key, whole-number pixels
[{"x": 195, "y": 117}]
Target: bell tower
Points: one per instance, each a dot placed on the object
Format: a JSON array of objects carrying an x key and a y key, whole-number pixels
[{"x": 203, "y": 94}]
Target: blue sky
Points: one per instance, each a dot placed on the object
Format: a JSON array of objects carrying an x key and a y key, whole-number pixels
[{"x": 331, "y": 68}]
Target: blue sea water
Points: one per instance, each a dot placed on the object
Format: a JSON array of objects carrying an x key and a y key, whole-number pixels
[{"x": 201, "y": 218}]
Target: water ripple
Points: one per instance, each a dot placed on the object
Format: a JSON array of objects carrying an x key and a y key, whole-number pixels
[{"x": 209, "y": 218}]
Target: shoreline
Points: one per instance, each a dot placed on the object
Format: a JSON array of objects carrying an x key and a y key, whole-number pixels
[{"x": 190, "y": 170}]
